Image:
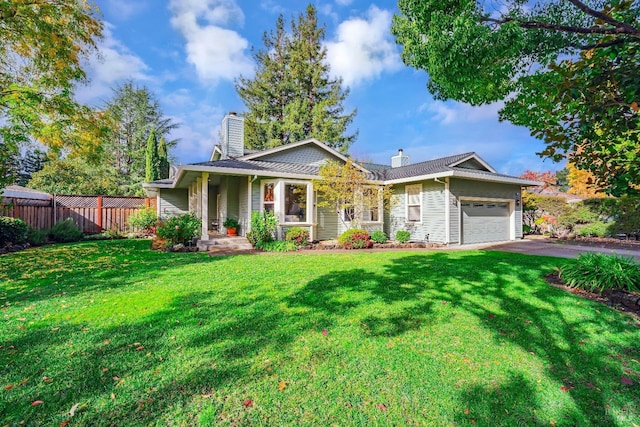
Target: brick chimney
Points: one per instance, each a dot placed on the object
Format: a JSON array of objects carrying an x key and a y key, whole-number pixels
[
  {"x": 399, "y": 160},
  {"x": 232, "y": 143}
]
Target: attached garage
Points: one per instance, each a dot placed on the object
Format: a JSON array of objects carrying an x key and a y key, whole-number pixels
[{"x": 485, "y": 221}]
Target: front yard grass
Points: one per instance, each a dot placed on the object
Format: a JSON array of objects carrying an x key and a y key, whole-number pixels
[{"x": 120, "y": 335}]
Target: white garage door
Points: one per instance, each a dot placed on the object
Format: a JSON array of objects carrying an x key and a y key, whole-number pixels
[{"x": 485, "y": 222}]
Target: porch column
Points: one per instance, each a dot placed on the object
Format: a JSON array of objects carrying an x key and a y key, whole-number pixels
[
  {"x": 204, "y": 205},
  {"x": 199, "y": 197},
  {"x": 192, "y": 199}
]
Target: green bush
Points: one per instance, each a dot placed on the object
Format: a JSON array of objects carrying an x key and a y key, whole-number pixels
[
  {"x": 12, "y": 230},
  {"x": 278, "y": 246},
  {"x": 37, "y": 237},
  {"x": 263, "y": 228},
  {"x": 180, "y": 229},
  {"x": 355, "y": 238},
  {"x": 597, "y": 272},
  {"x": 144, "y": 220},
  {"x": 298, "y": 235},
  {"x": 595, "y": 229},
  {"x": 379, "y": 237},
  {"x": 403, "y": 236},
  {"x": 65, "y": 231}
]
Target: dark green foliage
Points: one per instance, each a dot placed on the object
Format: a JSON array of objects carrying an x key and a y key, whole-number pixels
[
  {"x": 403, "y": 236},
  {"x": 65, "y": 231},
  {"x": 37, "y": 237},
  {"x": 355, "y": 238},
  {"x": 31, "y": 162},
  {"x": 12, "y": 230},
  {"x": 73, "y": 175},
  {"x": 180, "y": 229},
  {"x": 292, "y": 96},
  {"x": 163, "y": 160},
  {"x": 151, "y": 156},
  {"x": 262, "y": 229},
  {"x": 594, "y": 229},
  {"x": 143, "y": 220},
  {"x": 298, "y": 235},
  {"x": 231, "y": 223},
  {"x": 379, "y": 236},
  {"x": 597, "y": 272}
]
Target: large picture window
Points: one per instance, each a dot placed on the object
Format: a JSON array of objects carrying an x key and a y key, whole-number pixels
[
  {"x": 371, "y": 208},
  {"x": 295, "y": 202},
  {"x": 414, "y": 205}
]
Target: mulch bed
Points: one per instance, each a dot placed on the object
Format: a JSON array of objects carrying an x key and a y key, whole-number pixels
[
  {"x": 628, "y": 302},
  {"x": 602, "y": 242}
]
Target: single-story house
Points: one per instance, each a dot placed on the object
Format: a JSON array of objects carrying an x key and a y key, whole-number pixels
[{"x": 458, "y": 199}]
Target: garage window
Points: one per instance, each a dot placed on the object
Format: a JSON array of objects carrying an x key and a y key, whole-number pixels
[{"x": 414, "y": 204}]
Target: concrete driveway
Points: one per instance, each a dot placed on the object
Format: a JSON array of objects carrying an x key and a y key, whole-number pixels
[{"x": 542, "y": 247}]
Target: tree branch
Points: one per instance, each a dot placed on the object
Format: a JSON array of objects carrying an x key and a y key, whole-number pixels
[
  {"x": 603, "y": 16},
  {"x": 626, "y": 30}
]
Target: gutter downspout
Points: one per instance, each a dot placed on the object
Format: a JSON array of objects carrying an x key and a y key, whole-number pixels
[{"x": 250, "y": 201}]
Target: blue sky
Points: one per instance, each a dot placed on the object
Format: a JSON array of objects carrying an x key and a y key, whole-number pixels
[{"x": 188, "y": 52}]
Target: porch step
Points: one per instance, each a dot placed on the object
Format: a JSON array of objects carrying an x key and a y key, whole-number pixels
[{"x": 224, "y": 243}]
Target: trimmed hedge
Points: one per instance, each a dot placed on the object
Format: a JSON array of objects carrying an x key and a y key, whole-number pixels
[{"x": 12, "y": 230}]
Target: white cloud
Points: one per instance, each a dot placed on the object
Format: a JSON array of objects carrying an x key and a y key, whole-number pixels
[
  {"x": 217, "y": 53},
  {"x": 125, "y": 9},
  {"x": 113, "y": 63},
  {"x": 454, "y": 112},
  {"x": 363, "y": 49}
]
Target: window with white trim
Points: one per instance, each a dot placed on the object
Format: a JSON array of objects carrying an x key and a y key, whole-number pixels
[
  {"x": 295, "y": 202},
  {"x": 414, "y": 204},
  {"x": 268, "y": 197},
  {"x": 371, "y": 208}
]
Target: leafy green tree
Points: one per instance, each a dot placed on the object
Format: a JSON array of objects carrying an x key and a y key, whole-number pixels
[
  {"x": 292, "y": 96},
  {"x": 133, "y": 113},
  {"x": 73, "y": 175},
  {"x": 42, "y": 46},
  {"x": 151, "y": 169},
  {"x": 31, "y": 162},
  {"x": 568, "y": 70}
]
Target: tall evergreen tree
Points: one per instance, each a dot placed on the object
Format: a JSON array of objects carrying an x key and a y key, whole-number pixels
[
  {"x": 32, "y": 161},
  {"x": 151, "y": 169},
  {"x": 163, "y": 160},
  {"x": 292, "y": 96}
]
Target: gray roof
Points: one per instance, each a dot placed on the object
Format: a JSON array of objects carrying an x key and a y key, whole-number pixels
[
  {"x": 263, "y": 166},
  {"x": 425, "y": 168}
]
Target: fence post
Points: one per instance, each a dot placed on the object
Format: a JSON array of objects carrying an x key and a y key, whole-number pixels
[
  {"x": 147, "y": 202},
  {"x": 16, "y": 214},
  {"x": 99, "y": 214}
]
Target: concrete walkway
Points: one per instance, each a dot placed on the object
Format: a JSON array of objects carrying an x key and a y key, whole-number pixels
[{"x": 541, "y": 247}]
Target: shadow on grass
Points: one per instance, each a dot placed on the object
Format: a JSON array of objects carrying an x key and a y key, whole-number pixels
[{"x": 212, "y": 340}]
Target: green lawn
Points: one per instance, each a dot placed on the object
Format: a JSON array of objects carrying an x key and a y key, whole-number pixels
[{"x": 126, "y": 336}]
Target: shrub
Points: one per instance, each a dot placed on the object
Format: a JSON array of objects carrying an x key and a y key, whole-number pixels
[
  {"x": 403, "y": 236},
  {"x": 179, "y": 229},
  {"x": 263, "y": 228},
  {"x": 144, "y": 220},
  {"x": 113, "y": 232},
  {"x": 596, "y": 229},
  {"x": 379, "y": 237},
  {"x": 12, "y": 230},
  {"x": 355, "y": 238},
  {"x": 65, "y": 231},
  {"x": 37, "y": 237},
  {"x": 231, "y": 223},
  {"x": 298, "y": 235},
  {"x": 278, "y": 246},
  {"x": 597, "y": 272}
]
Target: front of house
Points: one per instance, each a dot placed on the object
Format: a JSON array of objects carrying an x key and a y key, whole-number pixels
[{"x": 453, "y": 200}]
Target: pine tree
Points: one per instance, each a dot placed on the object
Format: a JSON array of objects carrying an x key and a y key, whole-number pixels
[
  {"x": 163, "y": 160},
  {"x": 292, "y": 96},
  {"x": 151, "y": 170}
]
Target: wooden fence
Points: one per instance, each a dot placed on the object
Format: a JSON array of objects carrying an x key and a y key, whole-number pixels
[{"x": 92, "y": 214}]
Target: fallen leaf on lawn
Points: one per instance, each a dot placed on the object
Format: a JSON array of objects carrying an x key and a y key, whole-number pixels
[
  {"x": 590, "y": 385},
  {"x": 37, "y": 402},
  {"x": 9, "y": 387},
  {"x": 491, "y": 315},
  {"x": 113, "y": 396},
  {"x": 47, "y": 379},
  {"x": 105, "y": 369},
  {"x": 107, "y": 341},
  {"x": 139, "y": 348},
  {"x": 247, "y": 403},
  {"x": 324, "y": 332},
  {"x": 466, "y": 411},
  {"x": 65, "y": 423},
  {"x": 625, "y": 380},
  {"x": 444, "y": 302},
  {"x": 282, "y": 385},
  {"x": 634, "y": 106},
  {"x": 72, "y": 412},
  {"x": 23, "y": 382},
  {"x": 382, "y": 407},
  {"x": 552, "y": 424},
  {"x": 565, "y": 388},
  {"x": 116, "y": 378}
]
